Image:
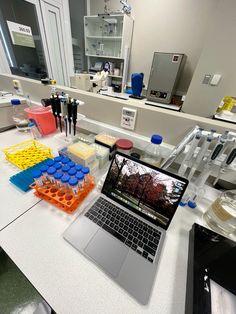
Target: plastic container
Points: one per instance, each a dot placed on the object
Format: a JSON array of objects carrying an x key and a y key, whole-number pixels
[
  {"x": 64, "y": 180},
  {"x": 78, "y": 167},
  {"x": 124, "y": 146},
  {"x": 43, "y": 119},
  {"x": 80, "y": 177},
  {"x": 221, "y": 216},
  {"x": 50, "y": 163},
  {"x": 73, "y": 185},
  {"x": 57, "y": 166},
  {"x": 153, "y": 154},
  {"x": 72, "y": 172},
  {"x": 71, "y": 164},
  {"x": 85, "y": 171},
  {"x": 19, "y": 116},
  {"x": 44, "y": 170},
  {"x": 65, "y": 168},
  {"x": 37, "y": 175},
  {"x": 51, "y": 171},
  {"x": 57, "y": 176},
  {"x": 65, "y": 160},
  {"x": 58, "y": 159}
]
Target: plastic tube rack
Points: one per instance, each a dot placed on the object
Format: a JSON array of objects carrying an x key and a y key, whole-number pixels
[
  {"x": 62, "y": 198},
  {"x": 26, "y": 154}
]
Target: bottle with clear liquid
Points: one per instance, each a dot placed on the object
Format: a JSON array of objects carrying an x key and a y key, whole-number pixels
[
  {"x": 221, "y": 215},
  {"x": 153, "y": 154},
  {"x": 19, "y": 115}
]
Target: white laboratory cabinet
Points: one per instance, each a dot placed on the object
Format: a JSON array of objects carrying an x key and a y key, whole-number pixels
[{"x": 108, "y": 39}]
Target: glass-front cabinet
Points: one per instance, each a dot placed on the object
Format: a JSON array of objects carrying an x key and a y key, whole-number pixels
[{"x": 108, "y": 39}]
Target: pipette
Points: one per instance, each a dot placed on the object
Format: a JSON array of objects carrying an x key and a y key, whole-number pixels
[
  {"x": 74, "y": 114},
  {"x": 189, "y": 154},
  {"x": 69, "y": 110},
  {"x": 179, "y": 148},
  {"x": 64, "y": 113},
  {"x": 54, "y": 108},
  {"x": 226, "y": 163},
  {"x": 58, "y": 106},
  {"x": 216, "y": 153},
  {"x": 201, "y": 153}
]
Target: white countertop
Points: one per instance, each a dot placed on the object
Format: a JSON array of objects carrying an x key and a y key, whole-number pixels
[
  {"x": 72, "y": 284},
  {"x": 65, "y": 278},
  {"x": 15, "y": 202}
]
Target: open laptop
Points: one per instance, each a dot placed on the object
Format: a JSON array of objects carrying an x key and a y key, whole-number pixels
[{"x": 123, "y": 229}]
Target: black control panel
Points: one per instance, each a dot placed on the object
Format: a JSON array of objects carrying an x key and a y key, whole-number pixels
[{"x": 158, "y": 94}]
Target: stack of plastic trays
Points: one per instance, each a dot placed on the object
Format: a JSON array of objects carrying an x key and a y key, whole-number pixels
[
  {"x": 26, "y": 154},
  {"x": 24, "y": 179},
  {"x": 58, "y": 194}
]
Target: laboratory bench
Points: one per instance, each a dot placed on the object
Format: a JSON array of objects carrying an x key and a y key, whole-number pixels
[
  {"x": 32, "y": 235},
  {"x": 144, "y": 101}
]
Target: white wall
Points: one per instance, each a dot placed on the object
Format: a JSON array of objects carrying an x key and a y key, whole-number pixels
[
  {"x": 218, "y": 56},
  {"x": 171, "y": 125},
  {"x": 168, "y": 26}
]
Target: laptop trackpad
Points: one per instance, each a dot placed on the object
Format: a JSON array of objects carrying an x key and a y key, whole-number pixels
[{"x": 108, "y": 252}]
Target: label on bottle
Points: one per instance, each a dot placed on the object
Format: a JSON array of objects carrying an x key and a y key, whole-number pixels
[{"x": 219, "y": 211}]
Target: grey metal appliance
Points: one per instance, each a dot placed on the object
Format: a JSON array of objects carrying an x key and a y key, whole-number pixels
[{"x": 165, "y": 73}]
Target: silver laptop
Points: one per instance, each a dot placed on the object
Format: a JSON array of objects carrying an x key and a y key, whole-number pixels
[{"x": 123, "y": 229}]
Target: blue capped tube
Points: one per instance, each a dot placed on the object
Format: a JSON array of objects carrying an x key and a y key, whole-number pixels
[
  {"x": 38, "y": 178},
  {"x": 57, "y": 176},
  {"x": 65, "y": 168},
  {"x": 65, "y": 160},
  {"x": 85, "y": 171},
  {"x": 50, "y": 163},
  {"x": 51, "y": 171},
  {"x": 57, "y": 166},
  {"x": 73, "y": 185},
  {"x": 71, "y": 164},
  {"x": 43, "y": 170},
  {"x": 80, "y": 177},
  {"x": 72, "y": 172},
  {"x": 64, "y": 181},
  {"x": 58, "y": 159}
]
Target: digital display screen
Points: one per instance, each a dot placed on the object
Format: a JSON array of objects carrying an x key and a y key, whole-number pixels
[{"x": 148, "y": 191}]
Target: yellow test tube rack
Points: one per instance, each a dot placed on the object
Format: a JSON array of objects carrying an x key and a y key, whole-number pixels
[{"x": 27, "y": 153}]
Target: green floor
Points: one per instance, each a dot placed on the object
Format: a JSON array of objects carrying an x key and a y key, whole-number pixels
[{"x": 17, "y": 295}]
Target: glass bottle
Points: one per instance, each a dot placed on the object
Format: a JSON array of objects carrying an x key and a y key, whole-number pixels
[
  {"x": 221, "y": 215},
  {"x": 19, "y": 116},
  {"x": 153, "y": 154}
]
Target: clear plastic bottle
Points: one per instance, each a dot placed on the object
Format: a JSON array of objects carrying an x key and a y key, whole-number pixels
[
  {"x": 19, "y": 116},
  {"x": 153, "y": 154},
  {"x": 80, "y": 177}
]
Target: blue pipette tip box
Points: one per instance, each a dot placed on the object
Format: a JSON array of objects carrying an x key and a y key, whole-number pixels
[{"x": 24, "y": 179}]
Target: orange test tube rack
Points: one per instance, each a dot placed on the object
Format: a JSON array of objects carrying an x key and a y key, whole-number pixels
[{"x": 63, "y": 199}]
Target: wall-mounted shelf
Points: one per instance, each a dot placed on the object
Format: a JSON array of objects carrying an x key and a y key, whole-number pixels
[
  {"x": 109, "y": 39},
  {"x": 102, "y": 56},
  {"x": 105, "y": 37}
]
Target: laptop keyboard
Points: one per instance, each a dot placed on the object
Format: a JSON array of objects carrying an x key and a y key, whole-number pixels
[{"x": 137, "y": 235}]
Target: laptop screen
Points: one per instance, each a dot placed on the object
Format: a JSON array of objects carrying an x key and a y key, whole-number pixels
[{"x": 148, "y": 191}]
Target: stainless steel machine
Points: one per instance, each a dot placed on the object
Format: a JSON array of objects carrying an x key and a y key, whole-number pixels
[{"x": 165, "y": 73}]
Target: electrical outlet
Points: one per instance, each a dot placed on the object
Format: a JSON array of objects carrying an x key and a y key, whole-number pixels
[
  {"x": 128, "y": 118},
  {"x": 17, "y": 87}
]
